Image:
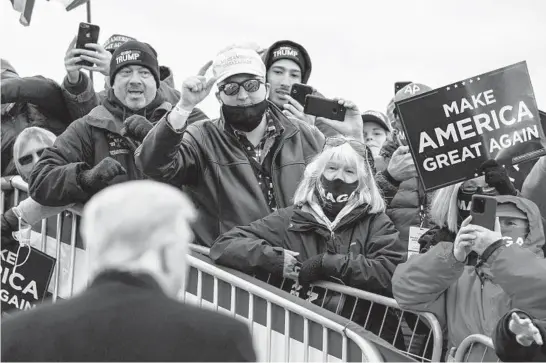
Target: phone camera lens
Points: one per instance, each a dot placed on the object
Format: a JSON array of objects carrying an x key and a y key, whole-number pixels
[{"x": 334, "y": 111}]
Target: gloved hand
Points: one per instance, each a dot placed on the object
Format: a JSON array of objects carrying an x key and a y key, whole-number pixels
[
  {"x": 311, "y": 270},
  {"x": 10, "y": 223},
  {"x": 98, "y": 178},
  {"x": 136, "y": 127},
  {"x": 496, "y": 176}
]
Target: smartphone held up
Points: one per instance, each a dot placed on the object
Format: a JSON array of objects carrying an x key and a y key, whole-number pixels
[
  {"x": 484, "y": 211},
  {"x": 87, "y": 33},
  {"x": 323, "y": 107}
]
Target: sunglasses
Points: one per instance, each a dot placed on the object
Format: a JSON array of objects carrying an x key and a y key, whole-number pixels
[
  {"x": 27, "y": 159},
  {"x": 232, "y": 88},
  {"x": 360, "y": 148}
]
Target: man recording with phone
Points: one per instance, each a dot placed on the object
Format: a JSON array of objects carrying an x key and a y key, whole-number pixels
[
  {"x": 97, "y": 150},
  {"x": 78, "y": 89},
  {"x": 246, "y": 164}
]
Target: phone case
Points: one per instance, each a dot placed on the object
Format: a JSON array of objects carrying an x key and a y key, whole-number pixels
[
  {"x": 299, "y": 92},
  {"x": 87, "y": 33},
  {"x": 486, "y": 218},
  {"x": 323, "y": 107}
]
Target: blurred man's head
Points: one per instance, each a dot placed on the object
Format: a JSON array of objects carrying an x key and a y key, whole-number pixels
[
  {"x": 242, "y": 90},
  {"x": 287, "y": 63},
  {"x": 140, "y": 226},
  {"x": 28, "y": 147},
  {"x": 134, "y": 74},
  {"x": 376, "y": 130}
]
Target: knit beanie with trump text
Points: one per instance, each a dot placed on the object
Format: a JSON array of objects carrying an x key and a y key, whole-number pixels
[{"x": 134, "y": 53}]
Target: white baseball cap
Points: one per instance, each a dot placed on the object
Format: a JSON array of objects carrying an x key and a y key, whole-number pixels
[{"x": 238, "y": 61}]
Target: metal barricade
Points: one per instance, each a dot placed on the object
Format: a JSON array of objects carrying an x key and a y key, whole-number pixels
[
  {"x": 244, "y": 301},
  {"x": 476, "y": 348},
  {"x": 418, "y": 335}
]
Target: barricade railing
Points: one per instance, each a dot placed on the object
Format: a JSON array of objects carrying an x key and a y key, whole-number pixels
[
  {"x": 418, "y": 335},
  {"x": 476, "y": 348},
  {"x": 292, "y": 331}
]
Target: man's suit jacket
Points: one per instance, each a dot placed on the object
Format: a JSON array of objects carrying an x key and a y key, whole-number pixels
[{"x": 124, "y": 317}]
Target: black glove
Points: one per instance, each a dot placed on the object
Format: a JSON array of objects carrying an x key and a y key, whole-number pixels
[
  {"x": 496, "y": 176},
  {"x": 10, "y": 223},
  {"x": 311, "y": 270},
  {"x": 136, "y": 127},
  {"x": 98, "y": 178}
]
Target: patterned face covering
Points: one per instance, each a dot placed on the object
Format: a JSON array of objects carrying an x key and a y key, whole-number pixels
[{"x": 333, "y": 195}]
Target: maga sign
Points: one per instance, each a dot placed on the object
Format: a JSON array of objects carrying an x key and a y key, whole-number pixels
[
  {"x": 25, "y": 273},
  {"x": 452, "y": 130}
]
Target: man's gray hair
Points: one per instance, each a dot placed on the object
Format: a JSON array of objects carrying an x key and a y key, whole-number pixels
[{"x": 124, "y": 221}]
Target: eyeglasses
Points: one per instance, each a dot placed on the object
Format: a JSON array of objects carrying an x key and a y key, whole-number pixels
[
  {"x": 27, "y": 159},
  {"x": 232, "y": 88}
]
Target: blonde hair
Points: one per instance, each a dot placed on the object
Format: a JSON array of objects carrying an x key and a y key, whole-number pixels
[
  {"x": 367, "y": 191},
  {"x": 37, "y": 133},
  {"x": 444, "y": 211}
]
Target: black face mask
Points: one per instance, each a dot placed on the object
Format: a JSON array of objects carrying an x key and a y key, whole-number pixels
[
  {"x": 334, "y": 195},
  {"x": 245, "y": 118},
  {"x": 464, "y": 200}
]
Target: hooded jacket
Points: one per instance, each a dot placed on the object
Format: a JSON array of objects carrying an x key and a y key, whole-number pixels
[
  {"x": 266, "y": 57},
  {"x": 29, "y": 101},
  {"x": 360, "y": 250},
  {"x": 209, "y": 163},
  {"x": 471, "y": 300},
  {"x": 87, "y": 141},
  {"x": 81, "y": 97}
]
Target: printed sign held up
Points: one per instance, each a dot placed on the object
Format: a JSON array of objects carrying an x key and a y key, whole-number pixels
[{"x": 452, "y": 130}]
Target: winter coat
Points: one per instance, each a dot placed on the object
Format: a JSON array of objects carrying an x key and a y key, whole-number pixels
[
  {"x": 507, "y": 347},
  {"x": 534, "y": 186},
  {"x": 404, "y": 199},
  {"x": 470, "y": 300},
  {"x": 81, "y": 97},
  {"x": 361, "y": 250},
  {"x": 87, "y": 141},
  {"x": 209, "y": 163},
  {"x": 124, "y": 317},
  {"x": 36, "y": 101},
  {"x": 267, "y": 55}
]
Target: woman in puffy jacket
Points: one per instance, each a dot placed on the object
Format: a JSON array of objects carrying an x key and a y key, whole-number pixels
[
  {"x": 469, "y": 297},
  {"x": 336, "y": 230}
]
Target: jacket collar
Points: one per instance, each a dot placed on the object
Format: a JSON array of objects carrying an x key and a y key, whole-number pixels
[
  {"x": 306, "y": 218},
  {"x": 141, "y": 280},
  {"x": 111, "y": 114}
]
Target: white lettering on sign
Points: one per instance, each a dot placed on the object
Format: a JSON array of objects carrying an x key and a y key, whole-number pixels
[
  {"x": 18, "y": 283},
  {"x": 488, "y": 99},
  {"x": 127, "y": 56},
  {"x": 517, "y": 137},
  {"x": 452, "y": 157},
  {"x": 470, "y": 127}
]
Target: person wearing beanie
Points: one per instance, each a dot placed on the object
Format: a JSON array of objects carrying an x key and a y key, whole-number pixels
[
  {"x": 376, "y": 131},
  {"x": 287, "y": 62},
  {"x": 78, "y": 90},
  {"x": 97, "y": 150},
  {"x": 244, "y": 165}
]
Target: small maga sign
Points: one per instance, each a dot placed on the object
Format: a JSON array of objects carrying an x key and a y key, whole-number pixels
[
  {"x": 452, "y": 130},
  {"x": 25, "y": 274}
]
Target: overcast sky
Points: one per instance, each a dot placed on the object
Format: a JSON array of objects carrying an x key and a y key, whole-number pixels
[{"x": 358, "y": 48}]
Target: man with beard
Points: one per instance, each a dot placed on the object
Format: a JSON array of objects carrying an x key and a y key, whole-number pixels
[
  {"x": 246, "y": 164},
  {"x": 93, "y": 153}
]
